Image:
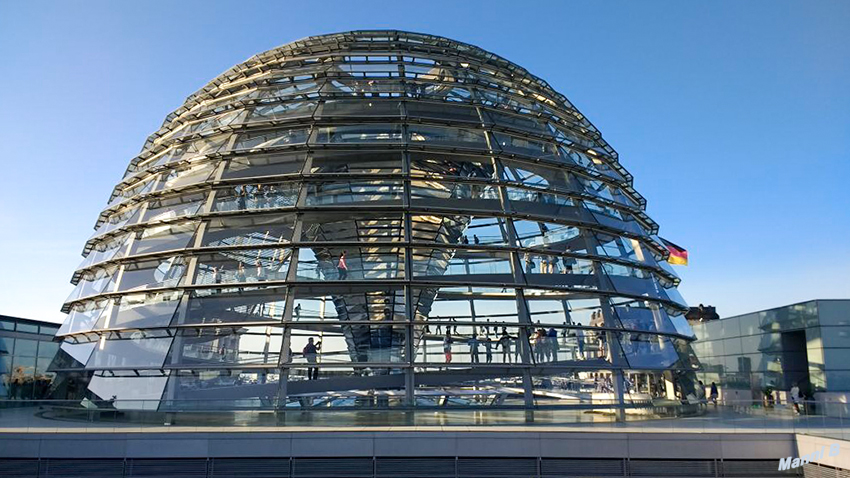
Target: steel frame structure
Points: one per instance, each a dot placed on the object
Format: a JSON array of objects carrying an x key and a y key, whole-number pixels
[{"x": 468, "y": 195}]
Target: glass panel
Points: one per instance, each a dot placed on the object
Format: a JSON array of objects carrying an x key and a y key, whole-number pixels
[
  {"x": 379, "y": 342},
  {"x": 526, "y": 146},
  {"x": 551, "y": 201},
  {"x": 347, "y": 302},
  {"x": 93, "y": 282},
  {"x": 271, "y": 139},
  {"x": 525, "y": 123},
  {"x": 628, "y": 280},
  {"x": 439, "y": 193},
  {"x": 359, "y": 108},
  {"x": 179, "y": 152},
  {"x": 361, "y": 263},
  {"x": 438, "y": 135},
  {"x": 290, "y": 90},
  {"x": 559, "y": 271},
  {"x": 365, "y": 133},
  {"x": 347, "y": 192},
  {"x": 356, "y": 86},
  {"x": 28, "y": 328},
  {"x": 135, "y": 352},
  {"x": 227, "y": 346},
  {"x": 354, "y": 324},
  {"x": 547, "y": 235},
  {"x": 352, "y": 226},
  {"x": 442, "y": 111},
  {"x": 282, "y": 111},
  {"x": 462, "y": 263},
  {"x": 165, "y": 272},
  {"x": 647, "y": 351},
  {"x": 252, "y": 230},
  {"x": 453, "y": 307},
  {"x": 623, "y": 248},
  {"x": 439, "y": 229},
  {"x": 205, "y": 125},
  {"x": 234, "y": 305},
  {"x": 681, "y": 324},
  {"x": 255, "y": 166},
  {"x": 569, "y": 136},
  {"x": 107, "y": 250},
  {"x": 356, "y": 162},
  {"x": 256, "y": 196},
  {"x": 469, "y": 344},
  {"x": 25, "y": 347},
  {"x": 642, "y": 315},
  {"x": 164, "y": 237},
  {"x": 48, "y": 329},
  {"x": 191, "y": 389},
  {"x": 535, "y": 175},
  {"x": 625, "y": 271},
  {"x": 193, "y": 174},
  {"x": 136, "y": 189},
  {"x": 450, "y": 165},
  {"x": 553, "y": 307},
  {"x": 605, "y": 191},
  {"x": 243, "y": 265},
  {"x": 174, "y": 207},
  {"x": 83, "y": 317},
  {"x": 72, "y": 355},
  {"x": 129, "y": 393},
  {"x": 591, "y": 163},
  {"x": 674, "y": 295},
  {"x": 144, "y": 310},
  {"x": 124, "y": 217}
]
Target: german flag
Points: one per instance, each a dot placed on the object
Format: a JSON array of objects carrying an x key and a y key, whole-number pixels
[{"x": 678, "y": 255}]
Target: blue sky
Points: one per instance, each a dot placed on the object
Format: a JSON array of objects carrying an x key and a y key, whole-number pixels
[{"x": 733, "y": 117}]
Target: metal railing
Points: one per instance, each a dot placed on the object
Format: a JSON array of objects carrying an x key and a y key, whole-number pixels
[{"x": 818, "y": 418}]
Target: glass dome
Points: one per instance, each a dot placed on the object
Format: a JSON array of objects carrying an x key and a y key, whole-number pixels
[{"x": 375, "y": 220}]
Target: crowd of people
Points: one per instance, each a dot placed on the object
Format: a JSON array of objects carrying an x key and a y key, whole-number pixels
[
  {"x": 545, "y": 264},
  {"x": 261, "y": 196},
  {"x": 545, "y": 343},
  {"x": 21, "y": 385}
]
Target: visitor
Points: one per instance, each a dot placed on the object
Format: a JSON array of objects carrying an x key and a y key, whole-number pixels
[
  {"x": 261, "y": 272},
  {"x": 553, "y": 343},
  {"x": 700, "y": 391},
  {"x": 311, "y": 351},
  {"x": 240, "y": 198},
  {"x": 217, "y": 279},
  {"x": 580, "y": 343},
  {"x": 795, "y": 398},
  {"x": 260, "y": 197},
  {"x": 505, "y": 344},
  {"x": 473, "y": 347},
  {"x": 447, "y": 346},
  {"x": 475, "y": 239},
  {"x": 298, "y": 312},
  {"x": 529, "y": 263},
  {"x": 342, "y": 267},
  {"x": 240, "y": 273},
  {"x": 488, "y": 349},
  {"x": 714, "y": 394},
  {"x": 540, "y": 344}
]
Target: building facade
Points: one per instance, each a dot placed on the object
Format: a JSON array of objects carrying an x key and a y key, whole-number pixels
[
  {"x": 806, "y": 343},
  {"x": 26, "y": 349},
  {"x": 375, "y": 220}
]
